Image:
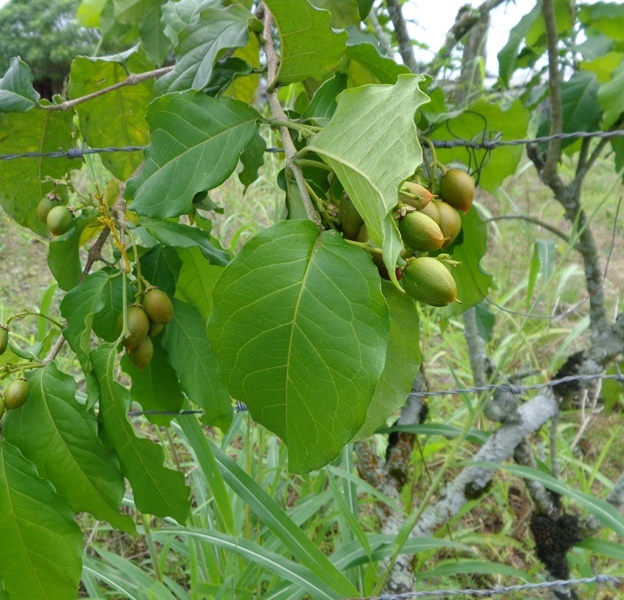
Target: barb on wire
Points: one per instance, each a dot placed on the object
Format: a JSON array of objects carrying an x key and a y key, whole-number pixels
[
  {"x": 505, "y": 387},
  {"x": 498, "y": 590},
  {"x": 479, "y": 142}
]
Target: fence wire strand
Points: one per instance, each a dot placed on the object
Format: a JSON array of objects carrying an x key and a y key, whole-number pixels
[
  {"x": 499, "y": 590},
  {"x": 484, "y": 141},
  {"x": 511, "y": 388}
]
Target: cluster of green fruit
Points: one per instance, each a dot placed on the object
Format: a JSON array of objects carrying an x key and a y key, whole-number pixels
[
  {"x": 145, "y": 320},
  {"x": 17, "y": 391},
  {"x": 427, "y": 223},
  {"x": 57, "y": 217}
]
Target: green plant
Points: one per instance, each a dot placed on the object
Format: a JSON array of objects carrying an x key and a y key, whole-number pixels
[{"x": 309, "y": 327}]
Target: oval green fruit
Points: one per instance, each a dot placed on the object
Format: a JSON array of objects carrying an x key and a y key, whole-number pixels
[
  {"x": 427, "y": 280},
  {"x": 450, "y": 222},
  {"x": 44, "y": 207},
  {"x": 350, "y": 219},
  {"x": 59, "y": 220},
  {"x": 431, "y": 210},
  {"x": 158, "y": 306},
  {"x": 138, "y": 326},
  {"x": 142, "y": 353},
  {"x": 415, "y": 195},
  {"x": 16, "y": 394},
  {"x": 457, "y": 188},
  {"x": 4, "y": 338},
  {"x": 155, "y": 329},
  {"x": 419, "y": 232},
  {"x": 2, "y": 406}
]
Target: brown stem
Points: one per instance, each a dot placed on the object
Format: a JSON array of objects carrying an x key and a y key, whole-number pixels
[
  {"x": 132, "y": 79},
  {"x": 406, "y": 49},
  {"x": 278, "y": 112},
  {"x": 554, "y": 85},
  {"x": 533, "y": 220}
]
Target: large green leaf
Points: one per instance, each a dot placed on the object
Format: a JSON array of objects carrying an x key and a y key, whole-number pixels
[
  {"x": 41, "y": 549},
  {"x": 79, "y": 308},
  {"x": 59, "y": 436},
  {"x": 479, "y": 119},
  {"x": 157, "y": 490},
  {"x": 161, "y": 265},
  {"x": 197, "y": 141},
  {"x": 366, "y": 65},
  {"x": 611, "y": 98},
  {"x": 343, "y": 12},
  {"x": 156, "y": 387},
  {"x": 153, "y": 37},
  {"x": 118, "y": 117},
  {"x": 17, "y": 93},
  {"x": 183, "y": 236},
  {"x": 201, "y": 42},
  {"x": 197, "y": 278},
  {"x": 473, "y": 283},
  {"x": 508, "y": 56},
  {"x": 605, "y": 17},
  {"x": 64, "y": 251},
  {"x": 22, "y": 181},
  {"x": 309, "y": 47},
  {"x": 300, "y": 328},
  {"x": 370, "y": 124},
  {"x": 190, "y": 354},
  {"x": 402, "y": 361}
]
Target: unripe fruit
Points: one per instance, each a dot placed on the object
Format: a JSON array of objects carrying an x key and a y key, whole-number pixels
[
  {"x": 155, "y": 329},
  {"x": 138, "y": 326},
  {"x": 431, "y": 210},
  {"x": 427, "y": 280},
  {"x": 142, "y": 353},
  {"x": 158, "y": 306},
  {"x": 44, "y": 207},
  {"x": 59, "y": 220},
  {"x": 457, "y": 188},
  {"x": 450, "y": 222},
  {"x": 4, "y": 338},
  {"x": 2, "y": 407},
  {"x": 415, "y": 195},
  {"x": 16, "y": 394},
  {"x": 350, "y": 219},
  {"x": 419, "y": 232}
]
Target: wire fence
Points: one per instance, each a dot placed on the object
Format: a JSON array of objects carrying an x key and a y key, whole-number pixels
[
  {"x": 511, "y": 388},
  {"x": 500, "y": 590},
  {"x": 483, "y": 141}
]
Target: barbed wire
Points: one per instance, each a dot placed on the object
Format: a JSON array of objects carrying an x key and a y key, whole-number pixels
[
  {"x": 72, "y": 153},
  {"x": 511, "y": 388},
  {"x": 498, "y": 590},
  {"x": 479, "y": 142}
]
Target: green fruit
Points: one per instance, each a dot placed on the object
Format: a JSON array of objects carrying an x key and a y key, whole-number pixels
[
  {"x": 142, "y": 353},
  {"x": 158, "y": 306},
  {"x": 155, "y": 329},
  {"x": 427, "y": 280},
  {"x": 4, "y": 338},
  {"x": 419, "y": 232},
  {"x": 457, "y": 188},
  {"x": 59, "y": 220},
  {"x": 16, "y": 394},
  {"x": 415, "y": 195},
  {"x": 138, "y": 326},
  {"x": 431, "y": 210},
  {"x": 350, "y": 219},
  {"x": 450, "y": 222},
  {"x": 2, "y": 407},
  {"x": 45, "y": 206}
]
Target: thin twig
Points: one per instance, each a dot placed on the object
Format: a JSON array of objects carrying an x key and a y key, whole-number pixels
[
  {"x": 132, "y": 79},
  {"x": 278, "y": 112},
  {"x": 533, "y": 220}
]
